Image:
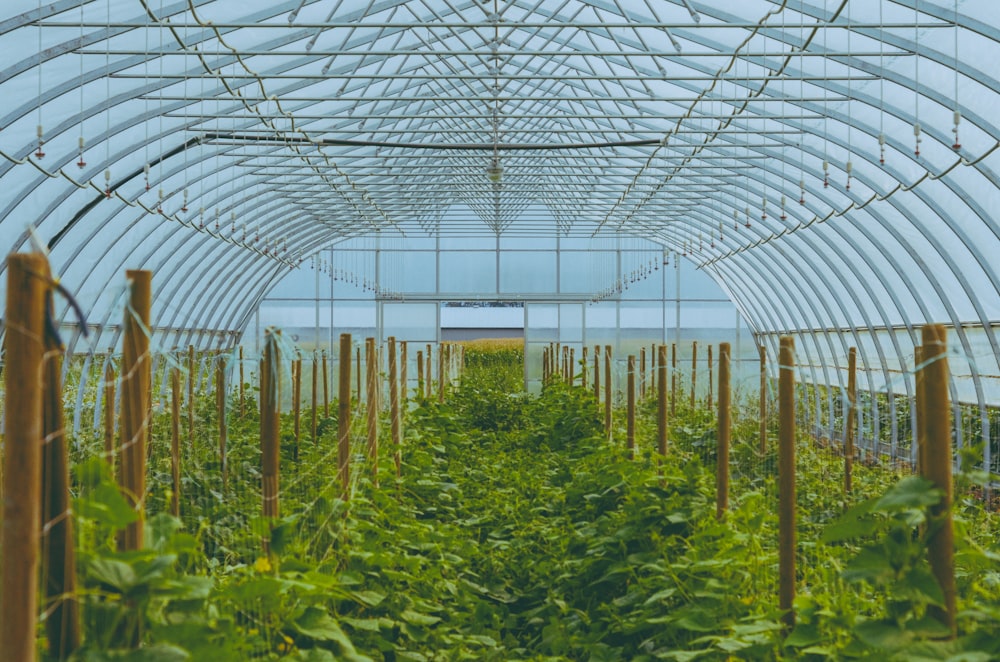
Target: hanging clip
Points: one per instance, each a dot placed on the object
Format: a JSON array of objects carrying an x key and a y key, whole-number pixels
[
  {"x": 747, "y": 210},
  {"x": 784, "y": 216},
  {"x": 107, "y": 184},
  {"x": 201, "y": 218},
  {"x": 881, "y": 148},
  {"x": 826, "y": 173},
  {"x": 802, "y": 191},
  {"x": 145, "y": 171},
  {"x": 81, "y": 163},
  {"x": 184, "y": 206},
  {"x": 958, "y": 120},
  {"x": 41, "y": 133},
  {"x": 849, "y": 168},
  {"x": 916, "y": 135},
  {"x": 736, "y": 220},
  {"x": 159, "y": 204},
  {"x": 763, "y": 208}
]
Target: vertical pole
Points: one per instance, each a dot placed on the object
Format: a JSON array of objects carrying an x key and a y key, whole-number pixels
[
  {"x": 270, "y": 439},
  {"x": 722, "y": 438},
  {"x": 220, "y": 406},
  {"x": 583, "y": 367},
  {"x": 852, "y": 399},
  {"x": 297, "y": 403},
  {"x": 597, "y": 373},
  {"x": 694, "y": 371},
  {"x": 607, "y": 391},
  {"x": 442, "y": 350},
  {"x": 404, "y": 380},
  {"x": 711, "y": 376},
  {"x": 242, "y": 385},
  {"x": 22, "y": 511},
  {"x": 175, "y": 440},
  {"x": 674, "y": 382},
  {"x": 191, "y": 377},
  {"x": 371, "y": 379},
  {"x": 630, "y": 419},
  {"x": 642, "y": 373},
  {"x": 315, "y": 387},
  {"x": 937, "y": 467},
  {"x": 429, "y": 380},
  {"x": 357, "y": 365},
  {"x": 420, "y": 372},
  {"x": 763, "y": 397},
  {"x": 344, "y": 417},
  {"x": 109, "y": 413},
  {"x": 786, "y": 479},
  {"x": 62, "y": 626},
  {"x": 394, "y": 428},
  {"x": 572, "y": 365},
  {"x": 326, "y": 384},
  {"x": 135, "y": 394},
  {"x": 921, "y": 436},
  {"x": 661, "y": 400},
  {"x": 545, "y": 365}
]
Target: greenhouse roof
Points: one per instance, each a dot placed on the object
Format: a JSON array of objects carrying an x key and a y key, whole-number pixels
[{"x": 829, "y": 163}]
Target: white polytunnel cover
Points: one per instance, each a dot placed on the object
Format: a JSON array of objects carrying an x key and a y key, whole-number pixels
[{"x": 829, "y": 166}]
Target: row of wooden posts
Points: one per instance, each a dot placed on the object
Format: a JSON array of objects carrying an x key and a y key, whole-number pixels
[
  {"x": 37, "y": 533},
  {"x": 934, "y": 454}
]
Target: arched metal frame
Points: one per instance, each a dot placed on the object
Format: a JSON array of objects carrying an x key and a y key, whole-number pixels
[{"x": 312, "y": 126}]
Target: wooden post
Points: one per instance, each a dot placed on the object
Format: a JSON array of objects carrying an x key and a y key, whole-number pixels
[
  {"x": 315, "y": 387},
  {"x": 938, "y": 459},
  {"x": 297, "y": 404},
  {"x": 22, "y": 512},
  {"x": 242, "y": 386},
  {"x": 270, "y": 438},
  {"x": 711, "y": 377},
  {"x": 673, "y": 379},
  {"x": 545, "y": 365},
  {"x": 344, "y": 418},
  {"x": 607, "y": 391},
  {"x": 192, "y": 375},
  {"x": 572, "y": 365},
  {"x": 597, "y": 373},
  {"x": 175, "y": 440},
  {"x": 763, "y": 398},
  {"x": 786, "y": 479},
  {"x": 694, "y": 371},
  {"x": 404, "y": 381},
  {"x": 565, "y": 363},
  {"x": 642, "y": 373},
  {"x": 630, "y": 417},
  {"x": 394, "y": 422},
  {"x": 442, "y": 350},
  {"x": 135, "y": 405},
  {"x": 62, "y": 626},
  {"x": 109, "y": 413},
  {"x": 357, "y": 366},
  {"x": 420, "y": 372},
  {"x": 326, "y": 386},
  {"x": 852, "y": 400},
  {"x": 921, "y": 436},
  {"x": 371, "y": 379},
  {"x": 722, "y": 437},
  {"x": 661, "y": 400},
  {"x": 428, "y": 379},
  {"x": 220, "y": 406},
  {"x": 583, "y": 367}
]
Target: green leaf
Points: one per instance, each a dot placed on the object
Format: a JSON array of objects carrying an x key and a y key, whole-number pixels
[
  {"x": 106, "y": 505},
  {"x": 157, "y": 653},
  {"x": 854, "y": 523},
  {"x": 804, "y": 634},
  {"x": 416, "y": 618},
  {"x": 116, "y": 574},
  {"x": 885, "y": 635},
  {"x": 317, "y": 624},
  {"x": 910, "y": 492}
]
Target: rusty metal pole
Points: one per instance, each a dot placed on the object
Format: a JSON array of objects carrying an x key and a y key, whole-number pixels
[
  {"x": 344, "y": 417},
  {"x": 297, "y": 404},
  {"x": 371, "y": 379},
  {"x": 404, "y": 380},
  {"x": 763, "y": 398},
  {"x": 420, "y": 372},
  {"x": 661, "y": 400},
  {"x": 583, "y": 367},
  {"x": 175, "y": 440},
  {"x": 394, "y": 422},
  {"x": 442, "y": 350},
  {"x": 315, "y": 388},
  {"x": 786, "y": 479},
  {"x": 22, "y": 511},
  {"x": 135, "y": 405},
  {"x": 674, "y": 381},
  {"x": 192, "y": 375},
  {"x": 852, "y": 401},
  {"x": 109, "y": 414},
  {"x": 694, "y": 372},
  {"x": 722, "y": 437},
  {"x": 711, "y": 377},
  {"x": 938, "y": 459},
  {"x": 270, "y": 433},
  {"x": 607, "y": 391},
  {"x": 642, "y": 373},
  {"x": 630, "y": 415},
  {"x": 326, "y": 387},
  {"x": 220, "y": 406},
  {"x": 572, "y": 365},
  {"x": 597, "y": 374}
]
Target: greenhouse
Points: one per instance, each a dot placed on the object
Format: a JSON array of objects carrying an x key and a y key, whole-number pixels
[{"x": 500, "y": 329}]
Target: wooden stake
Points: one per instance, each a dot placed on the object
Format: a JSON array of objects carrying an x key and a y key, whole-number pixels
[
  {"x": 62, "y": 626},
  {"x": 583, "y": 367},
  {"x": 694, "y": 371},
  {"x": 395, "y": 429},
  {"x": 921, "y": 436},
  {"x": 642, "y": 373},
  {"x": 763, "y": 398},
  {"x": 722, "y": 437},
  {"x": 786, "y": 479},
  {"x": 344, "y": 418},
  {"x": 357, "y": 353},
  {"x": 315, "y": 404},
  {"x": 326, "y": 386},
  {"x": 607, "y": 391},
  {"x": 852, "y": 400},
  {"x": 597, "y": 374},
  {"x": 545, "y": 365},
  {"x": 428, "y": 379},
  {"x": 404, "y": 381},
  {"x": 572, "y": 365},
  {"x": 711, "y": 377},
  {"x": 673, "y": 379},
  {"x": 242, "y": 386},
  {"x": 175, "y": 440},
  {"x": 937, "y": 467},
  {"x": 22, "y": 512},
  {"x": 630, "y": 417},
  {"x": 442, "y": 350},
  {"x": 135, "y": 405},
  {"x": 661, "y": 400},
  {"x": 371, "y": 379},
  {"x": 420, "y": 372},
  {"x": 297, "y": 404},
  {"x": 220, "y": 407},
  {"x": 270, "y": 437},
  {"x": 109, "y": 413},
  {"x": 192, "y": 375}
]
